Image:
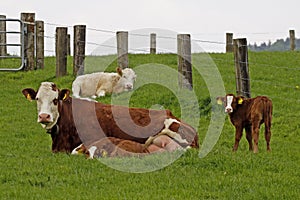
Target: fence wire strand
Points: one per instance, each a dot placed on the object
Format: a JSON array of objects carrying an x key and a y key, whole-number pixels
[{"x": 229, "y": 62}]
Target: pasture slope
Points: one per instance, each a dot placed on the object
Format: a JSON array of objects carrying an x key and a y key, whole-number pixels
[{"x": 30, "y": 171}]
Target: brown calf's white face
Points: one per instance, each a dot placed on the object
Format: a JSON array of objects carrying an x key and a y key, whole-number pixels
[
  {"x": 228, "y": 102},
  {"x": 127, "y": 79},
  {"x": 47, "y": 104}
]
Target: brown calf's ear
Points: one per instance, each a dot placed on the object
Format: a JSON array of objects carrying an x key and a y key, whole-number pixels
[
  {"x": 29, "y": 94},
  {"x": 220, "y": 100},
  {"x": 119, "y": 71},
  {"x": 240, "y": 100},
  {"x": 64, "y": 94}
]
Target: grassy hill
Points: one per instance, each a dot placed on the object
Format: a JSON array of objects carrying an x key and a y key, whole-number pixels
[{"x": 30, "y": 171}]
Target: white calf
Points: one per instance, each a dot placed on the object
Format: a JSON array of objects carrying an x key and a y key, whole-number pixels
[{"x": 101, "y": 83}]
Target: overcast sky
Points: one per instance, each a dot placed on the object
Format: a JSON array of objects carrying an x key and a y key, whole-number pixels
[{"x": 257, "y": 20}]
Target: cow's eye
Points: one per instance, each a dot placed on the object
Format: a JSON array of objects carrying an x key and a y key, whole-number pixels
[
  {"x": 124, "y": 76},
  {"x": 36, "y": 98},
  {"x": 55, "y": 101}
]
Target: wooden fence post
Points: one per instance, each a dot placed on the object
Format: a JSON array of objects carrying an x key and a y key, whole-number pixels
[
  {"x": 3, "y": 48},
  {"x": 39, "y": 44},
  {"x": 122, "y": 49},
  {"x": 229, "y": 42},
  {"x": 69, "y": 45},
  {"x": 29, "y": 22},
  {"x": 292, "y": 40},
  {"x": 184, "y": 61},
  {"x": 152, "y": 43},
  {"x": 241, "y": 67},
  {"x": 79, "y": 50},
  {"x": 61, "y": 51}
]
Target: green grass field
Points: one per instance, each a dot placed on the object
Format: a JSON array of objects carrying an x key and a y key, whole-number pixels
[{"x": 29, "y": 170}]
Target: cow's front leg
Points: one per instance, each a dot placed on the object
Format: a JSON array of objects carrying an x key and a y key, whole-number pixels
[
  {"x": 238, "y": 135},
  {"x": 249, "y": 137},
  {"x": 101, "y": 93}
]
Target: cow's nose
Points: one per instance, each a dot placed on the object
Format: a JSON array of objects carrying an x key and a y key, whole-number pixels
[
  {"x": 228, "y": 110},
  {"x": 44, "y": 118},
  {"x": 129, "y": 86}
]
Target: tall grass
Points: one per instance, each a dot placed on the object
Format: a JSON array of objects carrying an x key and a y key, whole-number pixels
[{"x": 30, "y": 171}]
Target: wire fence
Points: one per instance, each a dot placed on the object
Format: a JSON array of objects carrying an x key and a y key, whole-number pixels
[
  {"x": 166, "y": 42},
  {"x": 103, "y": 42}
]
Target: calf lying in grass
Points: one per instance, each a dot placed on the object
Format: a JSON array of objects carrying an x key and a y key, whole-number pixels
[
  {"x": 101, "y": 83},
  {"x": 116, "y": 147}
]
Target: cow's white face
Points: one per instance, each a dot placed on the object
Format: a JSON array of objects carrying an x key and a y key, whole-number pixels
[
  {"x": 228, "y": 102},
  {"x": 47, "y": 104},
  {"x": 127, "y": 79}
]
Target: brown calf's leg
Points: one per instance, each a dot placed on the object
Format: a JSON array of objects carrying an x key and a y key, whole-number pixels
[
  {"x": 255, "y": 135},
  {"x": 268, "y": 136},
  {"x": 249, "y": 137},
  {"x": 238, "y": 135}
]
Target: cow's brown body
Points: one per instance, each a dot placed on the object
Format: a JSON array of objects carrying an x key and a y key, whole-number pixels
[
  {"x": 82, "y": 121},
  {"x": 249, "y": 114},
  {"x": 112, "y": 121}
]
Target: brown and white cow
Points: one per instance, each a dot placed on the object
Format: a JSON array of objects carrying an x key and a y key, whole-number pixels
[
  {"x": 101, "y": 83},
  {"x": 73, "y": 121},
  {"x": 249, "y": 114}
]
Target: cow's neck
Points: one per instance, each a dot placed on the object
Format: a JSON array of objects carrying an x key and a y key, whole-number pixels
[{"x": 54, "y": 130}]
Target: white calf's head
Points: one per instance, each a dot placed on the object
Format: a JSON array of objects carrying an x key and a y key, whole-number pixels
[
  {"x": 47, "y": 103},
  {"x": 127, "y": 79}
]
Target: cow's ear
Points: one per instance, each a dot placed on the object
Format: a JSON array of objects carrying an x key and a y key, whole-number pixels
[
  {"x": 119, "y": 71},
  {"x": 220, "y": 100},
  {"x": 64, "y": 94},
  {"x": 240, "y": 100},
  {"x": 29, "y": 94}
]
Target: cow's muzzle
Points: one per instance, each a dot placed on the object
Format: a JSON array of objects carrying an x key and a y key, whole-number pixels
[
  {"x": 129, "y": 86},
  {"x": 44, "y": 118},
  {"x": 228, "y": 110}
]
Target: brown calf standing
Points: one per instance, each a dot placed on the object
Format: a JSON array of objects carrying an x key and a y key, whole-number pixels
[{"x": 249, "y": 114}]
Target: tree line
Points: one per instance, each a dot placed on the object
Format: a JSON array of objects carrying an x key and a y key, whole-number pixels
[{"x": 278, "y": 45}]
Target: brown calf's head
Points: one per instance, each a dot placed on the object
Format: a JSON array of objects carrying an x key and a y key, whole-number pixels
[{"x": 230, "y": 102}]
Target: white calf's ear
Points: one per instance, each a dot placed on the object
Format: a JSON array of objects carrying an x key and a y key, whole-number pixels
[{"x": 119, "y": 71}]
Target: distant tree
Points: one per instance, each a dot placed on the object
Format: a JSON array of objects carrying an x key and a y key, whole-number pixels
[
  {"x": 263, "y": 46},
  {"x": 255, "y": 45},
  {"x": 278, "y": 45},
  {"x": 269, "y": 44}
]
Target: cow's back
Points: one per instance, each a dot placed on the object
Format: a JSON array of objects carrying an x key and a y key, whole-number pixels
[
  {"x": 135, "y": 124},
  {"x": 261, "y": 109},
  {"x": 107, "y": 82},
  {"x": 86, "y": 85},
  {"x": 260, "y": 105}
]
